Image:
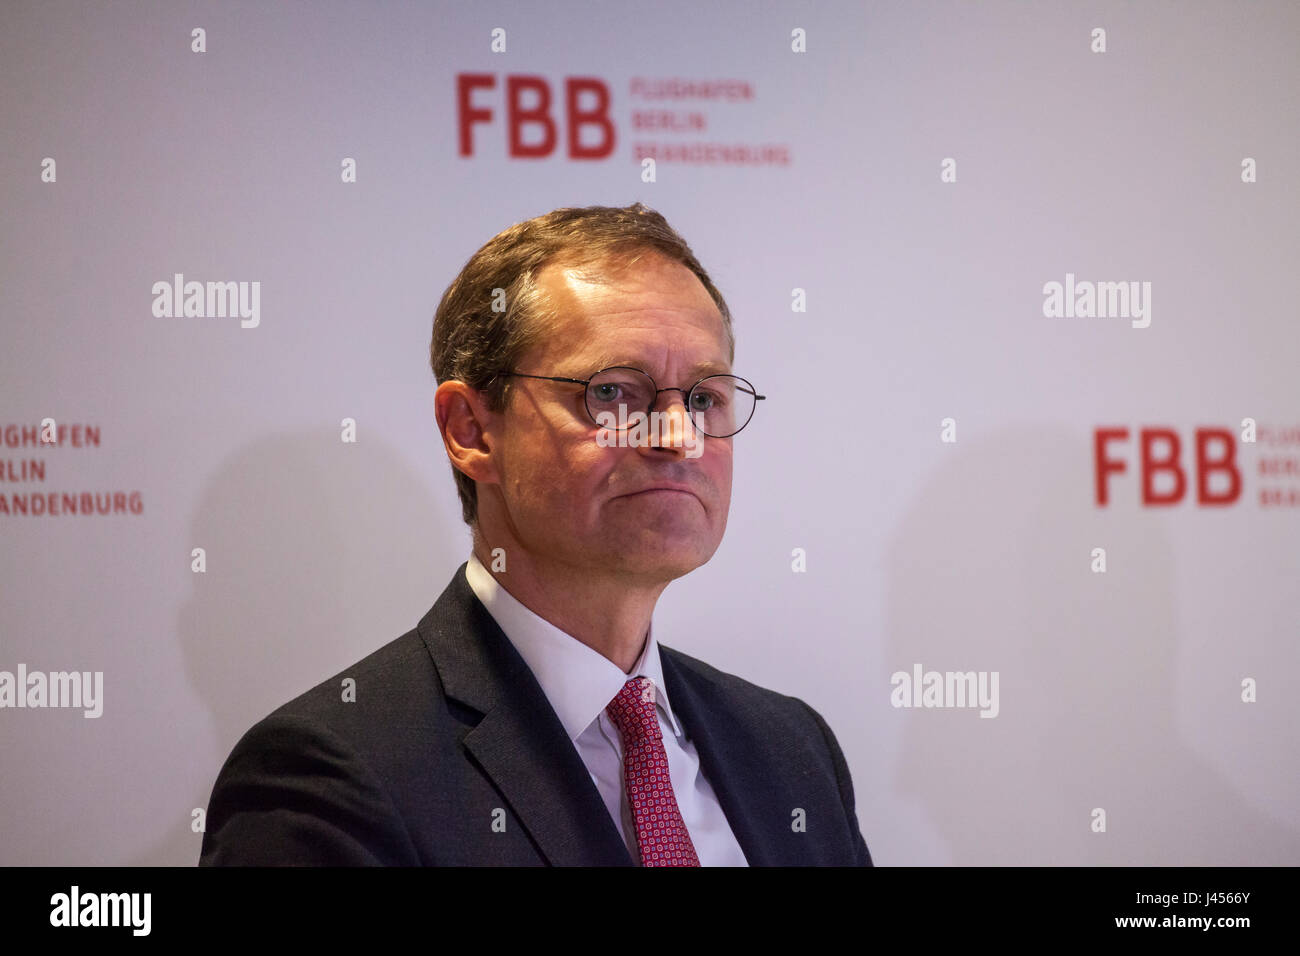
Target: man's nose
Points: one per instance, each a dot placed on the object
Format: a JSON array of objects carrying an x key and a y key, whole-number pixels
[{"x": 675, "y": 426}]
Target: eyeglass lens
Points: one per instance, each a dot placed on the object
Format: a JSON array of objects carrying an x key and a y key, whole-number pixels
[{"x": 720, "y": 405}]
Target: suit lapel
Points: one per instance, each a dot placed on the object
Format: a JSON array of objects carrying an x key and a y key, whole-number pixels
[
  {"x": 519, "y": 742},
  {"x": 731, "y": 758}
]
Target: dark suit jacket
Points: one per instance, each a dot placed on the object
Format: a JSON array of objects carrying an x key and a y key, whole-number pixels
[{"x": 450, "y": 732}]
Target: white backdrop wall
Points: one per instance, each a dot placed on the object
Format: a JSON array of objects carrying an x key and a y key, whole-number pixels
[{"x": 1172, "y": 158}]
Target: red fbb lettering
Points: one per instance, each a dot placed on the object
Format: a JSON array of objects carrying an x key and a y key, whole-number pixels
[
  {"x": 1103, "y": 464},
  {"x": 1150, "y": 465},
  {"x": 541, "y": 113},
  {"x": 1227, "y": 463},
  {"x": 578, "y": 118},
  {"x": 467, "y": 114}
]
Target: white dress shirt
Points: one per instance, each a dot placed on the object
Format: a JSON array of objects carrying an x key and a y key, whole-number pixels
[{"x": 580, "y": 682}]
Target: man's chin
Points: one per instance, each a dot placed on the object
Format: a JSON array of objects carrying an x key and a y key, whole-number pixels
[{"x": 661, "y": 565}]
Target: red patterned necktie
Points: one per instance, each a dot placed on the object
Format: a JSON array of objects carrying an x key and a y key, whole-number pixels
[{"x": 660, "y": 832}]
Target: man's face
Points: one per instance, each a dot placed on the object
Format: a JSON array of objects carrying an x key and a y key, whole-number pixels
[{"x": 567, "y": 498}]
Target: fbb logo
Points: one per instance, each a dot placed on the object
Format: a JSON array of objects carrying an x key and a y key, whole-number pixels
[
  {"x": 581, "y": 113},
  {"x": 1160, "y": 454}
]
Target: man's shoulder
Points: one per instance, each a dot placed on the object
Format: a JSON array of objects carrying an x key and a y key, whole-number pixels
[
  {"x": 711, "y": 683},
  {"x": 398, "y": 683},
  {"x": 376, "y": 681},
  {"x": 789, "y": 742},
  {"x": 322, "y": 778},
  {"x": 704, "y": 671},
  {"x": 354, "y": 719}
]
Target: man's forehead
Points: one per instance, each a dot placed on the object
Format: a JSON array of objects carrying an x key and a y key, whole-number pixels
[
  {"x": 604, "y": 341},
  {"x": 585, "y": 354},
  {"x": 612, "y": 280},
  {"x": 586, "y": 301}
]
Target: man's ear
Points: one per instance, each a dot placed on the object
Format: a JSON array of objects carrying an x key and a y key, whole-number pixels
[{"x": 466, "y": 425}]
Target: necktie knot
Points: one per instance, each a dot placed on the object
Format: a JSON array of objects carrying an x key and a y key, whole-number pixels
[{"x": 633, "y": 710}]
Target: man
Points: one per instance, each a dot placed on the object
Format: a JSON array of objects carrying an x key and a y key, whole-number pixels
[{"x": 588, "y": 409}]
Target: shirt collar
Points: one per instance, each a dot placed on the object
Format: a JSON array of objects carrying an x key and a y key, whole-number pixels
[{"x": 579, "y": 682}]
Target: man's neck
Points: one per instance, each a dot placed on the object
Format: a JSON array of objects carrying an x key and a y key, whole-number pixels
[{"x": 608, "y": 615}]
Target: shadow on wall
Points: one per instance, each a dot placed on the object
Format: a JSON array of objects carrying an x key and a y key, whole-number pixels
[
  {"x": 991, "y": 572},
  {"x": 318, "y": 553}
]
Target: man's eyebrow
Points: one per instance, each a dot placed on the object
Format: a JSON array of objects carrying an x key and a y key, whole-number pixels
[{"x": 610, "y": 360}]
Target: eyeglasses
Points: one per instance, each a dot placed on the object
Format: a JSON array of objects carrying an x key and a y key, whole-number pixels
[{"x": 719, "y": 405}]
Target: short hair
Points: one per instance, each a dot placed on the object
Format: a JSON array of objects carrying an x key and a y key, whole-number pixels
[{"x": 474, "y": 344}]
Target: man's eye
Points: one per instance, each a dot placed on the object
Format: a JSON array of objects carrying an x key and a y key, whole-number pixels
[{"x": 606, "y": 393}]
